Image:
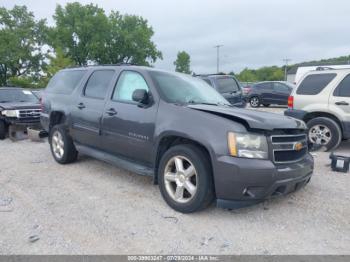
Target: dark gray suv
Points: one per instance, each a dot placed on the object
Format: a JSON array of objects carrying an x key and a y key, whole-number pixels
[{"x": 178, "y": 129}]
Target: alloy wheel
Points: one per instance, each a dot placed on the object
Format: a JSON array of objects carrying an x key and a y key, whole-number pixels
[
  {"x": 320, "y": 134},
  {"x": 180, "y": 178},
  {"x": 254, "y": 101},
  {"x": 57, "y": 144}
]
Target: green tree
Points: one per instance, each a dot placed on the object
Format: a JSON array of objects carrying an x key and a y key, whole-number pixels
[
  {"x": 86, "y": 35},
  {"x": 182, "y": 62},
  {"x": 129, "y": 41},
  {"x": 80, "y": 31},
  {"x": 247, "y": 75},
  {"x": 21, "y": 42}
]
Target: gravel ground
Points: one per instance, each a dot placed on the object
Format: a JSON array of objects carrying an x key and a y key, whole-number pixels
[{"x": 91, "y": 207}]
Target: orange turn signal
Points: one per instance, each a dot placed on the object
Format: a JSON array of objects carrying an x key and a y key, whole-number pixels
[{"x": 232, "y": 144}]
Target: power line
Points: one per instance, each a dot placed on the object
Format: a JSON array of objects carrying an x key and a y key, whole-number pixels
[{"x": 218, "y": 57}]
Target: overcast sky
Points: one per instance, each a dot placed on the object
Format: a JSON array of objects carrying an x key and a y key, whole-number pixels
[{"x": 253, "y": 33}]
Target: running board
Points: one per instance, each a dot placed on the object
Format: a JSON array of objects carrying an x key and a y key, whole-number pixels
[{"x": 115, "y": 160}]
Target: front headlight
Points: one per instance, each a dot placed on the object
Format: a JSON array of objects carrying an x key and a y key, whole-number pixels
[
  {"x": 247, "y": 145},
  {"x": 10, "y": 113}
]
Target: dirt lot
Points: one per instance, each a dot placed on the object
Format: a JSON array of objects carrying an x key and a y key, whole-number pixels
[{"x": 90, "y": 207}]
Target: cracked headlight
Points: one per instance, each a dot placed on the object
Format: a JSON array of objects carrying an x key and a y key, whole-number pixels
[
  {"x": 10, "y": 113},
  {"x": 247, "y": 145}
]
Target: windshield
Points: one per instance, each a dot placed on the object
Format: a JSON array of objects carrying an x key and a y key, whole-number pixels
[
  {"x": 183, "y": 89},
  {"x": 17, "y": 95},
  {"x": 227, "y": 85}
]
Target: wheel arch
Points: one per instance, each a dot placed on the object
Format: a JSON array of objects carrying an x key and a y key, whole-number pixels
[
  {"x": 312, "y": 115},
  {"x": 170, "y": 140},
  {"x": 56, "y": 117}
]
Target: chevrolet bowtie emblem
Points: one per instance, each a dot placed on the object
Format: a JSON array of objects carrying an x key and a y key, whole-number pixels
[{"x": 298, "y": 146}]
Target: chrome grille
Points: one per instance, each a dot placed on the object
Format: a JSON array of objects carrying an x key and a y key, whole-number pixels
[
  {"x": 29, "y": 113},
  {"x": 288, "y": 148}
]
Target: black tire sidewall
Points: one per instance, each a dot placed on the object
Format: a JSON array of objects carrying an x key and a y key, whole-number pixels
[
  {"x": 70, "y": 153},
  {"x": 250, "y": 101},
  {"x": 204, "y": 194},
  {"x": 333, "y": 127}
]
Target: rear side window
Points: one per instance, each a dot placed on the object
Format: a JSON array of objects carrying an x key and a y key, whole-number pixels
[
  {"x": 280, "y": 88},
  {"x": 343, "y": 88},
  {"x": 227, "y": 85},
  {"x": 264, "y": 86},
  {"x": 64, "y": 82},
  {"x": 207, "y": 81},
  {"x": 314, "y": 84},
  {"x": 98, "y": 83}
]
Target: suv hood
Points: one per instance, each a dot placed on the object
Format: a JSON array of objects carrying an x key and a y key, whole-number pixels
[
  {"x": 253, "y": 119},
  {"x": 18, "y": 105}
]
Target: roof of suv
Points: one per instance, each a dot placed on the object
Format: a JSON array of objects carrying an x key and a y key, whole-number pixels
[
  {"x": 213, "y": 75},
  {"x": 333, "y": 70}
]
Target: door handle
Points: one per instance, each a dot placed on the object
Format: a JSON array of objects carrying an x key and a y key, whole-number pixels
[
  {"x": 81, "y": 106},
  {"x": 342, "y": 103},
  {"x": 111, "y": 112}
]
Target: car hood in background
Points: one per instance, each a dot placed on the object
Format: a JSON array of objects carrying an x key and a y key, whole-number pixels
[
  {"x": 254, "y": 119},
  {"x": 19, "y": 105}
]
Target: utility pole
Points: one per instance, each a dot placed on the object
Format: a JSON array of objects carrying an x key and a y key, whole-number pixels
[
  {"x": 286, "y": 60},
  {"x": 218, "y": 57}
]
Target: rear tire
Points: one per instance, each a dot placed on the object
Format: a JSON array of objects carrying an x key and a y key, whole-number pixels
[
  {"x": 254, "y": 101},
  {"x": 61, "y": 144},
  {"x": 196, "y": 190},
  {"x": 3, "y": 130},
  {"x": 325, "y": 133}
]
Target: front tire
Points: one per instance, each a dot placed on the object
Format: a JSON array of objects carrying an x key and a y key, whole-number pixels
[
  {"x": 3, "y": 130},
  {"x": 254, "y": 101},
  {"x": 325, "y": 133},
  {"x": 185, "y": 178},
  {"x": 61, "y": 144}
]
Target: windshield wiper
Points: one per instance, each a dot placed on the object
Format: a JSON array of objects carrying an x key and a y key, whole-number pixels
[
  {"x": 208, "y": 103},
  {"x": 202, "y": 103}
]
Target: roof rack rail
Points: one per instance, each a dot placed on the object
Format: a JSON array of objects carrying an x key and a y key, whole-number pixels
[
  {"x": 117, "y": 64},
  {"x": 321, "y": 68},
  {"x": 216, "y": 74}
]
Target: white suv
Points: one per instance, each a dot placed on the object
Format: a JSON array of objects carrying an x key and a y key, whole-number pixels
[{"x": 322, "y": 100}]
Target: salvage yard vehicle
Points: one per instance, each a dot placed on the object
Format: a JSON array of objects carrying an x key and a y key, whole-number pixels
[
  {"x": 19, "y": 108},
  {"x": 269, "y": 93},
  {"x": 228, "y": 86},
  {"x": 178, "y": 129},
  {"x": 322, "y": 100}
]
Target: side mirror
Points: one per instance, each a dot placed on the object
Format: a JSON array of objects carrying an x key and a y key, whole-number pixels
[{"x": 140, "y": 96}]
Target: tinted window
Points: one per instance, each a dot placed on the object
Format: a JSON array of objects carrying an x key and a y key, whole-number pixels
[
  {"x": 264, "y": 86},
  {"x": 64, "y": 82},
  {"x": 17, "y": 95},
  {"x": 207, "y": 81},
  {"x": 98, "y": 83},
  {"x": 314, "y": 84},
  {"x": 128, "y": 82},
  {"x": 343, "y": 88},
  {"x": 280, "y": 88},
  {"x": 226, "y": 85}
]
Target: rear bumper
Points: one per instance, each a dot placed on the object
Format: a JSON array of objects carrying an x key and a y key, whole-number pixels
[
  {"x": 299, "y": 114},
  {"x": 45, "y": 121},
  {"x": 243, "y": 182}
]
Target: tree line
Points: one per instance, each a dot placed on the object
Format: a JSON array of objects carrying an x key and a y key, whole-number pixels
[{"x": 31, "y": 51}]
